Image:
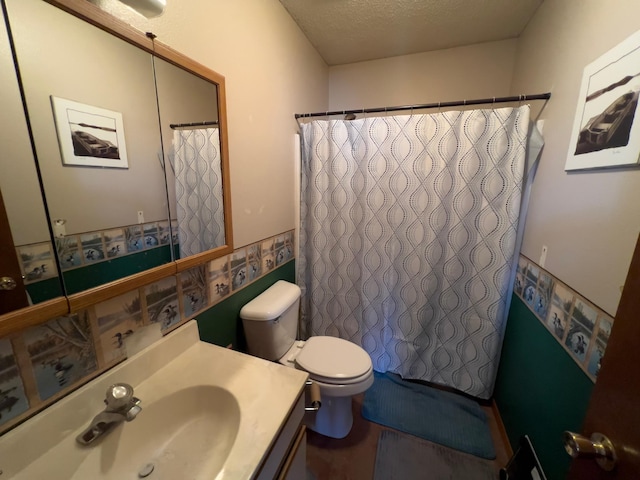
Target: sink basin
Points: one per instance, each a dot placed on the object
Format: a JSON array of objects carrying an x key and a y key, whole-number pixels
[
  {"x": 207, "y": 413},
  {"x": 187, "y": 434}
]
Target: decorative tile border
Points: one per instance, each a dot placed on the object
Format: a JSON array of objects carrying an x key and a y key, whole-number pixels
[
  {"x": 79, "y": 250},
  {"x": 61, "y": 353},
  {"x": 238, "y": 265},
  {"x": 14, "y": 400},
  {"x": 115, "y": 320},
  {"x": 37, "y": 262},
  {"x": 579, "y": 326},
  {"x": 41, "y": 364},
  {"x": 193, "y": 288}
]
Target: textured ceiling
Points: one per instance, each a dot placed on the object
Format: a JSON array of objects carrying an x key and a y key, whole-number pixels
[{"x": 347, "y": 31}]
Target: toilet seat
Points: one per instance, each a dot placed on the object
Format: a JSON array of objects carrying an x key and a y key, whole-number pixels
[
  {"x": 352, "y": 375},
  {"x": 333, "y": 360},
  {"x": 339, "y": 381}
]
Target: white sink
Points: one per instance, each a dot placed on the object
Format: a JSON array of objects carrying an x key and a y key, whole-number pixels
[
  {"x": 207, "y": 413},
  {"x": 187, "y": 434}
]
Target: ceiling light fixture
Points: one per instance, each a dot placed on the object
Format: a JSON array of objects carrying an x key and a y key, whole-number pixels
[{"x": 148, "y": 8}]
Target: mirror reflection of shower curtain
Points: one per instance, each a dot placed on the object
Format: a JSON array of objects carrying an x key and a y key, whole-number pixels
[
  {"x": 408, "y": 229},
  {"x": 199, "y": 200}
]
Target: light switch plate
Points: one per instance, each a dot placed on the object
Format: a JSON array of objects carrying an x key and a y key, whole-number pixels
[{"x": 543, "y": 256}]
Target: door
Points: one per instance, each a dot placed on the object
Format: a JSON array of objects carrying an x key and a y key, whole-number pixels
[
  {"x": 614, "y": 407},
  {"x": 9, "y": 268}
]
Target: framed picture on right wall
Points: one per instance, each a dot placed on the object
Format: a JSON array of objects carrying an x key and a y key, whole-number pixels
[{"x": 606, "y": 128}]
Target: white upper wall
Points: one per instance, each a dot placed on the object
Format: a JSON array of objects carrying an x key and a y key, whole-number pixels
[
  {"x": 588, "y": 220},
  {"x": 475, "y": 71},
  {"x": 271, "y": 72}
]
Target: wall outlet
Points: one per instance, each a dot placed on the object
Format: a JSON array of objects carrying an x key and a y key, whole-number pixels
[
  {"x": 140, "y": 216},
  {"x": 543, "y": 256},
  {"x": 59, "y": 230}
]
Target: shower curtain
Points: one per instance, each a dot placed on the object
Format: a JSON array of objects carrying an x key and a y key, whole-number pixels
[
  {"x": 198, "y": 190},
  {"x": 407, "y": 238}
]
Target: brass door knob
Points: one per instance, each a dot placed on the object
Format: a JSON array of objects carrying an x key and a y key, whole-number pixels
[
  {"x": 7, "y": 283},
  {"x": 598, "y": 447}
]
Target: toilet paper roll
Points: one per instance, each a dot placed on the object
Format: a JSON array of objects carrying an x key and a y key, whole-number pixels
[{"x": 314, "y": 396}]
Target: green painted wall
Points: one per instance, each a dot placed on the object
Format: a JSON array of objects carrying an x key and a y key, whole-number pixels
[
  {"x": 44, "y": 290},
  {"x": 540, "y": 391},
  {"x": 90, "y": 276},
  {"x": 221, "y": 324}
]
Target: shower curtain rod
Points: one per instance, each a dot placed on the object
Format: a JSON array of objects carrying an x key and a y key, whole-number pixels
[
  {"x": 459, "y": 103},
  {"x": 195, "y": 124}
]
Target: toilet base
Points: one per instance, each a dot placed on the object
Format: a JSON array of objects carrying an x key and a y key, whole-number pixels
[{"x": 334, "y": 419}]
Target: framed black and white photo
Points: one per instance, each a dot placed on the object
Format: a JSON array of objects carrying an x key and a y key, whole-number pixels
[
  {"x": 89, "y": 136},
  {"x": 606, "y": 130}
]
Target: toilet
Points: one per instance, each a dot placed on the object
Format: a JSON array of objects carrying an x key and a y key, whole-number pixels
[{"x": 341, "y": 368}]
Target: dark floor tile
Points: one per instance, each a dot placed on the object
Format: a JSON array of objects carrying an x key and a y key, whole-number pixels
[{"x": 353, "y": 457}]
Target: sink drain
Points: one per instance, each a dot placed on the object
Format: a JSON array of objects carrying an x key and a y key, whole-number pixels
[{"x": 146, "y": 470}]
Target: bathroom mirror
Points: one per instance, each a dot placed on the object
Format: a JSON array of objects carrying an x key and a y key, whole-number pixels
[
  {"x": 27, "y": 250},
  {"x": 91, "y": 101},
  {"x": 90, "y": 94},
  {"x": 188, "y": 106}
]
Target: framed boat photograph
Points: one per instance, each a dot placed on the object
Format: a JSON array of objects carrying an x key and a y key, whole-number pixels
[
  {"x": 606, "y": 128},
  {"x": 89, "y": 136}
]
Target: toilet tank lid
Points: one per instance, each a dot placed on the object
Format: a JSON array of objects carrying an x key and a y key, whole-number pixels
[{"x": 271, "y": 303}]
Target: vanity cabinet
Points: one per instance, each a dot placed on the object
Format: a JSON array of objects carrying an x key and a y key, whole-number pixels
[
  {"x": 295, "y": 466},
  {"x": 207, "y": 413},
  {"x": 287, "y": 458}
]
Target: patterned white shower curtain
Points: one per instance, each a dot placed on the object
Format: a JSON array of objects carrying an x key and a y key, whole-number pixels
[
  {"x": 407, "y": 237},
  {"x": 198, "y": 190}
]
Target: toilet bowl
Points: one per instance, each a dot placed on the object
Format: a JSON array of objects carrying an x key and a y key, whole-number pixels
[{"x": 340, "y": 368}]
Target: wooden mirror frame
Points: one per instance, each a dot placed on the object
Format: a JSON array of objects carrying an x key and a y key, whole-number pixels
[{"x": 36, "y": 314}]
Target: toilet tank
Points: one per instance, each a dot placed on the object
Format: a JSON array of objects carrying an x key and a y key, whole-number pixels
[{"x": 271, "y": 320}]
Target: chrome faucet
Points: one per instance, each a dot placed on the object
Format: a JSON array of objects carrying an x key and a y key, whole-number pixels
[{"x": 121, "y": 406}]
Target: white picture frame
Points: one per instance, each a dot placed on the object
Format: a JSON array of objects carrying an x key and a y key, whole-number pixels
[
  {"x": 89, "y": 136},
  {"x": 606, "y": 128}
]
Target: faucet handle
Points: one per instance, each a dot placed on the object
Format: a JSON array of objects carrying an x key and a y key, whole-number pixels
[
  {"x": 134, "y": 410},
  {"x": 119, "y": 396}
]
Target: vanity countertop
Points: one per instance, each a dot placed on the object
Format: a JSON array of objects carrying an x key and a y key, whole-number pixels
[{"x": 211, "y": 396}]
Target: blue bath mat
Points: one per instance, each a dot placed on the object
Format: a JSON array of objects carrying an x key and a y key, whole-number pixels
[
  {"x": 440, "y": 417},
  {"x": 403, "y": 457}
]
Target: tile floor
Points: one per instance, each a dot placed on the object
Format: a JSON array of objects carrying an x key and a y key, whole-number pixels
[{"x": 353, "y": 457}]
